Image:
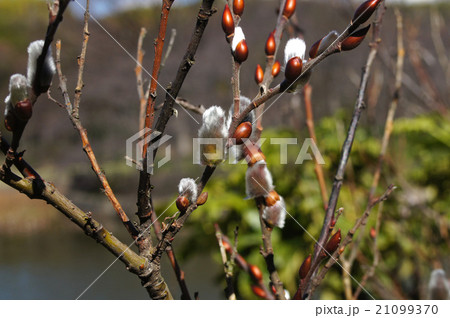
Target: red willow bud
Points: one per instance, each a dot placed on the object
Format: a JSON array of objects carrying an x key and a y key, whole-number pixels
[
  {"x": 182, "y": 203},
  {"x": 202, "y": 198},
  {"x": 243, "y": 131},
  {"x": 289, "y": 8},
  {"x": 365, "y": 11},
  {"x": 333, "y": 243},
  {"x": 304, "y": 269},
  {"x": 272, "y": 198},
  {"x": 238, "y": 7},
  {"x": 293, "y": 69},
  {"x": 373, "y": 233},
  {"x": 11, "y": 121},
  {"x": 354, "y": 39},
  {"x": 255, "y": 272},
  {"x": 227, "y": 21},
  {"x": 270, "y": 45},
  {"x": 259, "y": 74},
  {"x": 241, "y": 52},
  {"x": 258, "y": 291},
  {"x": 227, "y": 246},
  {"x": 24, "y": 109},
  {"x": 276, "y": 67}
]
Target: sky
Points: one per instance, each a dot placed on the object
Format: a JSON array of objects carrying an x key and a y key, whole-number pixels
[{"x": 102, "y": 8}]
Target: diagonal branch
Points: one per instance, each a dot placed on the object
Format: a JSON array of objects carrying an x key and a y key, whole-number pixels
[{"x": 345, "y": 153}]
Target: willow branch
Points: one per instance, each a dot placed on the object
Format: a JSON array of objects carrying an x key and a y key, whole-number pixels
[
  {"x": 179, "y": 273},
  {"x": 361, "y": 222},
  {"x": 267, "y": 253},
  {"x": 242, "y": 263},
  {"x": 84, "y": 138},
  {"x": 143, "y": 196},
  {"x": 307, "y": 90},
  {"x": 345, "y": 153},
  {"x": 270, "y": 60},
  {"x": 139, "y": 82},
  {"x": 389, "y": 126}
]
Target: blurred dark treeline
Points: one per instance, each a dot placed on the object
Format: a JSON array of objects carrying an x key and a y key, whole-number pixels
[{"x": 110, "y": 108}]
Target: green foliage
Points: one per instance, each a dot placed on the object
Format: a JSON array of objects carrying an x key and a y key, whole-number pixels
[{"x": 408, "y": 239}]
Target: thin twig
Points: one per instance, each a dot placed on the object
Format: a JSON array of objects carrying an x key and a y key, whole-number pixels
[
  {"x": 389, "y": 126},
  {"x": 83, "y": 134},
  {"x": 361, "y": 222},
  {"x": 145, "y": 208},
  {"x": 345, "y": 153},
  {"x": 139, "y": 82},
  {"x": 227, "y": 267},
  {"x": 307, "y": 90},
  {"x": 270, "y": 60},
  {"x": 242, "y": 263},
  {"x": 179, "y": 273},
  {"x": 267, "y": 252},
  {"x": 173, "y": 35}
]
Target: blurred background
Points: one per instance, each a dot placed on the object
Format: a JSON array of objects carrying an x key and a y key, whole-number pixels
[{"x": 44, "y": 256}]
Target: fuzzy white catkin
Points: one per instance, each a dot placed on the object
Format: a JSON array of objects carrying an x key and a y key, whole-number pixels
[
  {"x": 48, "y": 70},
  {"x": 238, "y": 37},
  {"x": 438, "y": 287},
  {"x": 188, "y": 188},
  {"x": 18, "y": 90},
  {"x": 294, "y": 47},
  {"x": 214, "y": 126},
  {"x": 258, "y": 180},
  {"x": 275, "y": 215}
]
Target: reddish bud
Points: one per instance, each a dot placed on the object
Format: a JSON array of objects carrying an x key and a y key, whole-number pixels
[
  {"x": 259, "y": 74},
  {"x": 373, "y": 233},
  {"x": 276, "y": 67},
  {"x": 365, "y": 11},
  {"x": 227, "y": 246},
  {"x": 289, "y": 8},
  {"x": 258, "y": 291},
  {"x": 243, "y": 131},
  {"x": 24, "y": 109},
  {"x": 270, "y": 45},
  {"x": 227, "y": 21},
  {"x": 293, "y": 69},
  {"x": 241, "y": 52},
  {"x": 274, "y": 290},
  {"x": 182, "y": 204},
  {"x": 272, "y": 198},
  {"x": 333, "y": 243},
  {"x": 354, "y": 39},
  {"x": 10, "y": 121},
  {"x": 304, "y": 269},
  {"x": 255, "y": 272},
  {"x": 238, "y": 7},
  {"x": 202, "y": 198}
]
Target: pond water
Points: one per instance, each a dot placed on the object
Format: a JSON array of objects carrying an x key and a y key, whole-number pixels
[{"x": 62, "y": 265}]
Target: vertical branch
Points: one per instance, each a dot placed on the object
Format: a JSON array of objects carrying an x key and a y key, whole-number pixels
[
  {"x": 227, "y": 267},
  {"x": 270, "y": 60},
  {"x": 307, "y": 90},
  {"x": 144, "y": 200},
  {"x": 179, "y": 273},
  {"x": 345, "y": 153},
  {"x": 389, "y": 126},
  {"x": 73, "y": 112},
  {"x": 267, "y": 253},
  {"x": 139, "y": 82}
]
